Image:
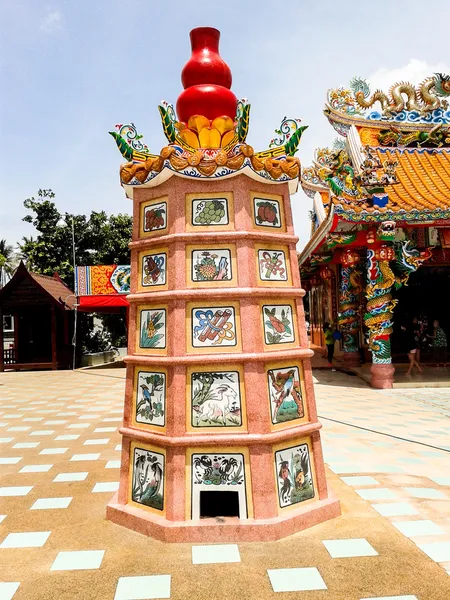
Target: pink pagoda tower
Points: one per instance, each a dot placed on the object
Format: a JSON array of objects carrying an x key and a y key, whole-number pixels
[{"x": 220, "y": 435}]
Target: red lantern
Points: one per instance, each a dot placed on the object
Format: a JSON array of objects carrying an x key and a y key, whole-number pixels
[
  {"x": 385, "y": 253},
  {"x": 315, "y": 280},
  {"x": 370, "y": 236},
  {"x": 349, "y": 257},
  {"x": 326, "y": 273}
]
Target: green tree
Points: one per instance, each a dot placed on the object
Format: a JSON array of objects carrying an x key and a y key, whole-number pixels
[
  {"x": 99, "y": 238},
  {"x": 7, "y": 262}
]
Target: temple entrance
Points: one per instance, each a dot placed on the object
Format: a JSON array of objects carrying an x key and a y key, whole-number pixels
[
  {"x": 426, "y": 295},
  {"x": 219, "y": 504}
]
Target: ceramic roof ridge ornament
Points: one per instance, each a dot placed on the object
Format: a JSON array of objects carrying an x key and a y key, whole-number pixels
[{"x": 207, "y": 133}]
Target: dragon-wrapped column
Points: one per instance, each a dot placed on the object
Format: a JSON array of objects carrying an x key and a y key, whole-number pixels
[
  {"x": 349, "y": 301},
  {"x": 379, "y": 312}
]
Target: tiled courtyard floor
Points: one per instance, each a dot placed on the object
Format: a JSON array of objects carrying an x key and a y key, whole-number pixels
[{"x": 59, "y": 459}]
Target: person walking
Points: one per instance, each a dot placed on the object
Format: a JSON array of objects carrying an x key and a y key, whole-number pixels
[
  {"x": 417, "y": 328},
  {"x": 328, "y": 331},
  {"x": 411, "y": 345},
  {"x": 439, "y": 344}
]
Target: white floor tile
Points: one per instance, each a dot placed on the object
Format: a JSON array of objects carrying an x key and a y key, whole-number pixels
[
  {"x": 43, "y": 432},
  {"x": 417, "y": 528},
  {"x": 27, "y": 539},
  {"x": 78, "y": 560},
  {"x": 106, "y": 486},
  {"x": 53, "y": 451},
  {"x": 57, "y": 422},
  {"x": 62, "y": 477},
  {"x": 51, "y": 503},
  {"x": 349, "y": 548},
  {"x": 6, "y": 440},
  {"x": 360, "y": 480},
  {"x": 118, "y": 448},
  {"x": 395, "y": 509},
  {"x": 79, "y": 457},
  {"x": 105, "y": 429},
  {"x": 437, "y": 551},
  {"x": 8, "y": 589},
  {"x": 34, "y": 419},
  {"x": 35, "y": 469},
  {"x": 146, "y": 587},
  {"x": 2, "y": 517},
  {"x": 377, "y": 494},
  {"x": 113, "y": 420},
  {"x": 78, "y": 426},
  {"x": 429, "y": 493},
  {"x": 10, "y": 460},
  {"x": 98, "y": 442},
  {"x": 18, "y": 428},
  {"x": 296, "y": 580},
  {"x": 15, "y": 490},
  {"x": 392, "y": 598},
  {"x": 440, "y": 480},
  {"x": 26, "y": 445},
  {"x": 220, "y": 553},
  {"x": 66, "y": 414},
  {"x": 113, "y": 464},
  {"x": 66, "y": 438}
]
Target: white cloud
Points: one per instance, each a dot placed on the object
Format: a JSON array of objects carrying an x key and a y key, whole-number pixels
[
  {"x": 53, "y": 21},
  {"x": 414, "y": 72}
]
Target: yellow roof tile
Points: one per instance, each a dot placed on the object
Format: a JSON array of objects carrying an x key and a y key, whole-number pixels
[{"x": 423, "y": 179}]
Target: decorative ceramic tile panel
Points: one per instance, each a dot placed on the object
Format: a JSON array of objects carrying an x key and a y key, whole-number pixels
[
  {"x": 267, "y": 212},
  {"x": 218, "y": 472},
  {"x": 154, "y": 217},
  {"x": 294, "y": 475},
  {"x": 213, "y": 326},
  {"x": 210, "y": 211},
  {"x": 272, "y": 265},
  {"x": 152, "y": 328},
  {"x": 148, "y": 478},
  {"x": 215, "y": 399},
  {"x": 285, "y": 394},
  {"x": 278, "y": 324},
  {"x": 153, "y": 269},
  {"x": 150, "y": 398},
  {"x": 211, "y": 265}
]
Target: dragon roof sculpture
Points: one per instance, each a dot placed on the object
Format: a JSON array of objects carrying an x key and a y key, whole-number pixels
[
  {"x": 406, "y": 106},
  {"x": 208, "y": 138},
  {"x": 395, "y": 146}
]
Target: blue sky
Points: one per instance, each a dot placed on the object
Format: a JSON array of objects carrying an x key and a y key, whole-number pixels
[{"x": 69, "y": 71}]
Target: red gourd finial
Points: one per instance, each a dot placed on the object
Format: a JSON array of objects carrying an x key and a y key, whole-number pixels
[{"x": 207, "y": 79}]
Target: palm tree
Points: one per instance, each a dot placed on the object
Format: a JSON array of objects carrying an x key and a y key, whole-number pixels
[
  {"x": 24, "y": 250},
  {"x": 7, "y": 262}
]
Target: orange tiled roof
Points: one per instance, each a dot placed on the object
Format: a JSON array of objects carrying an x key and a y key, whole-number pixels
[{"x": 423, "y": 182}]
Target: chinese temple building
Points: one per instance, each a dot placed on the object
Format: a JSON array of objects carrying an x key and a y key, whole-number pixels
[
  {"x": 381, "y": 210},
  {"x": 220, "y": 434}
]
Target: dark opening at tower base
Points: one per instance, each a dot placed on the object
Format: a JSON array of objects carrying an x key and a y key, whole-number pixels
[{"x": 219, "y": 504}]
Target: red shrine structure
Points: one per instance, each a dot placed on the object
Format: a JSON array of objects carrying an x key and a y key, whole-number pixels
[{"x": 220, "y": 435}]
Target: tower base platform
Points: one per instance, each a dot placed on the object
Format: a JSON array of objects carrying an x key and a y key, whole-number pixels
[{"x": 223, "y": 529}]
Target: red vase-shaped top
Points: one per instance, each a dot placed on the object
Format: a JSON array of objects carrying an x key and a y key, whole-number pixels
[
  {"x": 207, "y": 79},
  {"x": 205, "y": 64}
]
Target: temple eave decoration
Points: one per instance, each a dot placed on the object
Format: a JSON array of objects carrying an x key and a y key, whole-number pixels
[{"x": 211, "y": 148}]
